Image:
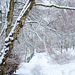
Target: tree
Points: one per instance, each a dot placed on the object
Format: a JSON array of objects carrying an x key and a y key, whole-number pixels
[{"x": 39, "y": 34}]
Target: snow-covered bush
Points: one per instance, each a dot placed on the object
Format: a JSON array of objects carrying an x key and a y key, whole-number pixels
[{"x": 64, "y": 57}]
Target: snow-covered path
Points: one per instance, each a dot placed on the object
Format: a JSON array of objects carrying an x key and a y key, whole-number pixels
[{"x": 42, "y": 64}]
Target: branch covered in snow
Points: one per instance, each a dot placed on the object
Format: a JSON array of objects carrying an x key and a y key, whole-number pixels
[
  {"x": 1, "y": 32},
  {"x": 10, "y": 38},
  {"x": 56, "y": 6},
  {"x": 39, "y": 38},
  {"x": 31, "y": 22},
  {"x": 24, "y": 9}
]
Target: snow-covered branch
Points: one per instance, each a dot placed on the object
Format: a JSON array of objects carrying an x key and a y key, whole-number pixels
[
  {"x": 31, "y": 22},
  {"x": 20, "y": 3},
  {"x": 24, "y": 9},
  {"x": 56, "y": 6},
  {"x": 4, "y": 53},
  {"x": 39, "y": 38},
  {"x": 4, "y": 10},
  {"x": 1, "y": 32}
]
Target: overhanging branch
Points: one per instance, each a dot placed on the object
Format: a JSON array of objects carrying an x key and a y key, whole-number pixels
[{"x": 56, "y": 6}]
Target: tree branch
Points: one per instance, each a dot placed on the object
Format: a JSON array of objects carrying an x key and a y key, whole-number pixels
[
  {"x": 39, "y": 38},
  {"x": 56, "y": 6},
  {"x": 31, "y": 22}
]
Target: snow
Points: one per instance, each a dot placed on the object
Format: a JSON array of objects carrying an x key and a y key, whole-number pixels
[
  {"x": 7, "y": 39},
  {"x": 2, "y": 57},
  {"x": 11, "y": 33},
  {"x": 11, "y": 38},
  {"x": 2, "y": 53},
  {"x": 5, "y": 4},
  {"x": 0, "y": 22},
  {"x": 46, "y": 2},
  {"x": 24, "y": 10},
  {"x": 0, "y": 61},
  {"x": 6, "y": 48},
  {"x": 6, "y": 44},
  {"x": 43, "y": 64},
  {"x": 56, "y": 6}
]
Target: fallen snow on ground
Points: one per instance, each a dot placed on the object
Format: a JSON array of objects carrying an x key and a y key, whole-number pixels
[{"x": 43, "y": 64}]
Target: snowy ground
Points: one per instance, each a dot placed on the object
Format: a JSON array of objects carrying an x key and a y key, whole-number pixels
[{"x": 43, "y": 64}]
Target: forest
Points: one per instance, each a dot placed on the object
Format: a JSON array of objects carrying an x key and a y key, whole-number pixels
[{"x": 37, "y": 37}]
